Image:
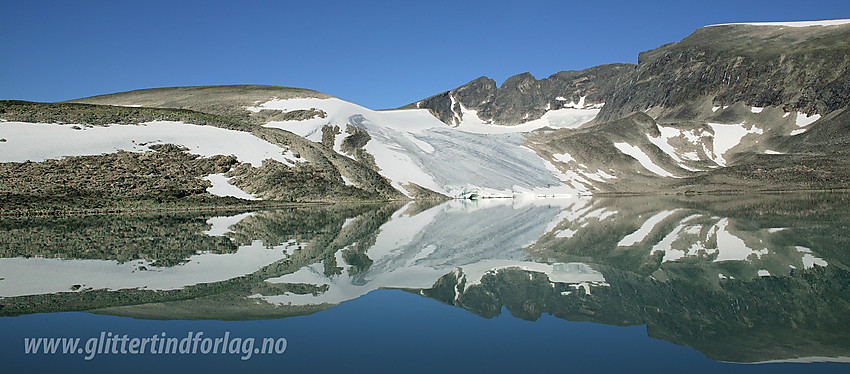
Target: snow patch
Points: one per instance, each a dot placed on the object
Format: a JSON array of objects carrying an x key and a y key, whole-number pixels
[
  {"x": 456, "y": 119},
  {"x": 563, "y": 157},
  {"x": 662, "y": 142},
  {"x": 221, "y": 187},
  {"x": 642, "y": 157},
  {"x": 804, "y": 119},
  {"x": 567, "y": 118},
  {"x": 693, "y": 137},
  {"x": 567, "y": 233},
  {"x": 727, "y": 137},
  {"x": 693, "y": 156}
]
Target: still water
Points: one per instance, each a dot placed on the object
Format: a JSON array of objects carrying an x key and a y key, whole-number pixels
[{"x": 642, "y": 284}]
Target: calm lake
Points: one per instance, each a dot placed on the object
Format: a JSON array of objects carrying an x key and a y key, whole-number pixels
[{"x": 755, "y": 283}]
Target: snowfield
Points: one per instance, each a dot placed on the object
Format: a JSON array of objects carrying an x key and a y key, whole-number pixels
[
  {"x": 643, "y": 158},
  {"x": 412, "y": 146},
  {"x": 38, "y": 142},
  {"x": 727, "y": 137}
]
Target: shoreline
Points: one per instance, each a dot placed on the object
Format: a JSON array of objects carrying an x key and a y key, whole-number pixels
[{"x": 272, "y": 205}]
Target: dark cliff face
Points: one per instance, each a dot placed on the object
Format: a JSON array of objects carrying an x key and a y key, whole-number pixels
[
  {"x": 523, "y": 98},
  {"x": 804, "y": 69}
]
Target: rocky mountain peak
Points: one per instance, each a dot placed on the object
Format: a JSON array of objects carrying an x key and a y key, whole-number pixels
[
  {"x": 521, "y": 82},
  {"x": 522, "y": 97}
]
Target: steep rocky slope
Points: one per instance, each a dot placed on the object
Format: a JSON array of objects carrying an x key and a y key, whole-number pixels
[
  {"x": 523, "y": 98},
  {"x": 803, "y": 69},
  {"x": 798, "y": 69}
]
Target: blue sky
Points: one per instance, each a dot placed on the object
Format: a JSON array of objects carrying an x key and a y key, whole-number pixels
[{"x": 379, "y": 54}]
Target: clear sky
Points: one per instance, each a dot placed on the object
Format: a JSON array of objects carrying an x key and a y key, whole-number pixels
[{"x": 379, "y": 54}]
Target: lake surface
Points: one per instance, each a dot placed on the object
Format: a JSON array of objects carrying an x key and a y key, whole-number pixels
[{"x": 650, "y": 284}]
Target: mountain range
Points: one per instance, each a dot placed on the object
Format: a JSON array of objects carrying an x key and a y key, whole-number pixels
[{"x": 730, "y": 108}]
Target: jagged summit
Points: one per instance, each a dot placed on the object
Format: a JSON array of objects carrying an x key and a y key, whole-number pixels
[{"x": 523, "y": 98}]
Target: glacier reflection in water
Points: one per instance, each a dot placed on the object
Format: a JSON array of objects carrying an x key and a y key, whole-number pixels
[{"x": 741, "y": 279}]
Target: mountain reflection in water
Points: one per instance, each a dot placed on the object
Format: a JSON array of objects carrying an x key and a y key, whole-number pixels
[{"x": 739, "y": 278}]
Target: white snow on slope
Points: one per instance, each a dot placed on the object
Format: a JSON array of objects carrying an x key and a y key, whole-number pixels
[
  {"x": 727, "y": 137},
  {"x": 574, "y": 105},
  {"x": 566, "y": 233},
  {"x": 693, "y": 156},
  {"x": 643, "y": 158},
  {"x": 568, "y": 117},
  {"x": 59, "y": 275},
  {"x": 804, "y": 119},
  {"x": 222, "y": 187},
  {"x": 563, "y": 157},
  {"x": 662, "y": 142},
  {"x": 456, "y": 119},
  {"x": 831, "y": 22},
  {"x": 412, "y": 146},
  {"x": 39, "y": 142}
]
